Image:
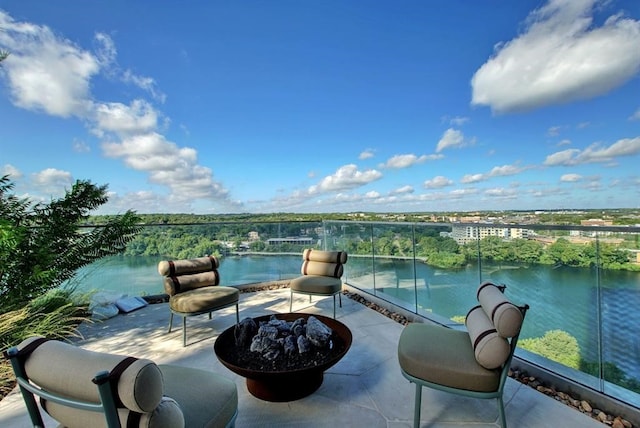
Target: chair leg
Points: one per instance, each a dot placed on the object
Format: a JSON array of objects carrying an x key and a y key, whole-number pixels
[
  {"x": 291, "y": 302},
  {"x": 184, "y": 331},
  {"x": 503, "y": 418},
  {"x": 238, "y": 314},
  {"x": 170, "y": 321},
  {"x": 418, "y": 403},
  {"x": 340, "y": 298},
  {"x": 334, "y": 306}
]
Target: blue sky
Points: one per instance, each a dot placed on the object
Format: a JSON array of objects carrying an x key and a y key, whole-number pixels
[{"x": 324, "y": 106}]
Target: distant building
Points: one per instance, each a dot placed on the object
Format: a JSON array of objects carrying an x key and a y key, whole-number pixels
[
  {"x": 466, "y": 234},
  {"x": 254, "y": 236},
  {"x": 290, "y": 240}
]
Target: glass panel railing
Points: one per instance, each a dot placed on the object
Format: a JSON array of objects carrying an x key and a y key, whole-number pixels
[{"x": 582, "y": 284}]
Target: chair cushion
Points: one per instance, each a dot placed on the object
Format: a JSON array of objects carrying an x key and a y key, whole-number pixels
[
  {"x": 490, "y": 349},
  {"x": 206, "y": 399},
  {"x": 182, "y": 267},
  {"x": 179, "y": 284},
  {"x": 204, "y": 299},
  {"x": 425, "y": 352},
  {"x": 66, "y": 369},
  {"x": 309, "y": 267},
  {"x": 324, "y": 256},
  {"x": 506, "y": 317},
  {"x": 316, "y": 284},
  {"x": 166, "y": 415}
]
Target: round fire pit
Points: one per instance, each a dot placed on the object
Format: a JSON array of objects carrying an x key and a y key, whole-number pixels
[{"x": 284, "y": 384}]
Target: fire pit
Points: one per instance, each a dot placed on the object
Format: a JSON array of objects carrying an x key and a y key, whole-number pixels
[{"x": 278, "y": 380}]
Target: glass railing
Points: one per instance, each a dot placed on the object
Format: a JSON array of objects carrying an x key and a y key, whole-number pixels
[{"x": 582, "y": 283}]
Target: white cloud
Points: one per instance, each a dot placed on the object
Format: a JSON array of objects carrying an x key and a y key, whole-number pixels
[
  {"x": 81, "y": 147},
  {"x": 452, "y": 138},
  {"x": 13, "y": 172},
  {"x": 404, "y": 161},
  {"x": 595, "y": 153},
  {"x": 52, "y": 181},
  {"x": 472, "y": 178},
  {"x": 437, "y": 182},
  {"x": 346, "y": 177},
  {"x": 137, "y": 118},
  {"x": 636, "y": 115},
  {"x": 501, "y": 192},
  {"x": 570, "y": 178},
  {"x": 367, "y": 154},
  {"x": 561, "y": 57},
  {"x": 402, "y": 190},
  {"x": 503, "y": 170},
  {"x": 45, "y": 72}
]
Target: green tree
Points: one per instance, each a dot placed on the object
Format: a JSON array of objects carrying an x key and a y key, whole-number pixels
[
  {"x": 42, "y": 245},
  {"x": 556, "y": 345}
]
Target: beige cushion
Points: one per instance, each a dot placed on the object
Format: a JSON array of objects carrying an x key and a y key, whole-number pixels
[
  {"x": 179, "y": 284},
  {"x": 490, "y": 349},
  {"x": 310, "y": 267},
  {"x": 506, "y": 317},
  {"x": 207, "y": 399},
  {"x": 324, "y": 256},
  {"x": 166, "y": 415},
  {"x": 316, "y": 284},
  {"x": 204, "y": 299},
  {"x": 66, "y": 369},
  {"x": 443, "y": 356},
  {"x": 182, "y": 267}
]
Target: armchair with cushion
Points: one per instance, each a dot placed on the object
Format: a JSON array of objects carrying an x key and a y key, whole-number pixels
[
  {"x": 472, "y": 363},
  {"x": 81, "y": 388},
  {"x": 321, "y": 273},
  {"x": 193, "y": 289}
]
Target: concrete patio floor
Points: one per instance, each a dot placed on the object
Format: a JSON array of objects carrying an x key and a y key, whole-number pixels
[{"x": 364, "y": 389}]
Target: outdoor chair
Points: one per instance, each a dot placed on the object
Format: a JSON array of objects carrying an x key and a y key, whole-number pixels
[
  {"x": 80, "y": 388},
  {"x": 321, "y": 273},
  {"x": 192, "y": 286},
  {"x": 473, "y": 363}
]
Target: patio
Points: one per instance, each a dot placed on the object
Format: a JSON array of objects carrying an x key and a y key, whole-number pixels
[{"x": 364, "y": 389}]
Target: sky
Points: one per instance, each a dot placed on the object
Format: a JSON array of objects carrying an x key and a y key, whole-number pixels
[{"x": 323, "y": 106}]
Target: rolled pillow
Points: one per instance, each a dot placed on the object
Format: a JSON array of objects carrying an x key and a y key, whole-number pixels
[
  {"x": 178, "y": 284},
  {"x": 310, "y": 267},
  {"x": 491, "y": 350},
  {"x": 506, "y": 317},
  {"x": 324, "y": 256},
  {"x": 183, "y": 267},
  {"x": 166, "y": 415}
]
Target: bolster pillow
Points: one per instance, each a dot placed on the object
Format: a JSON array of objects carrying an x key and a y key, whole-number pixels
[
  {"x": 182, "y": 267},
  {"x": 166, "y": 415},
  {"x": 506, "y": 317},
  {"x": 68, "y": 370},
  {"x": 491, "y": 350},
  {"x": 310, "y": 267},
  {"x": 178, "y": 284},
  {"x": 339, "y": 257}
]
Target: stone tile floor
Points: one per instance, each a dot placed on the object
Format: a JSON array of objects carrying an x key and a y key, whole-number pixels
[{"x": 364, "y": 389}]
